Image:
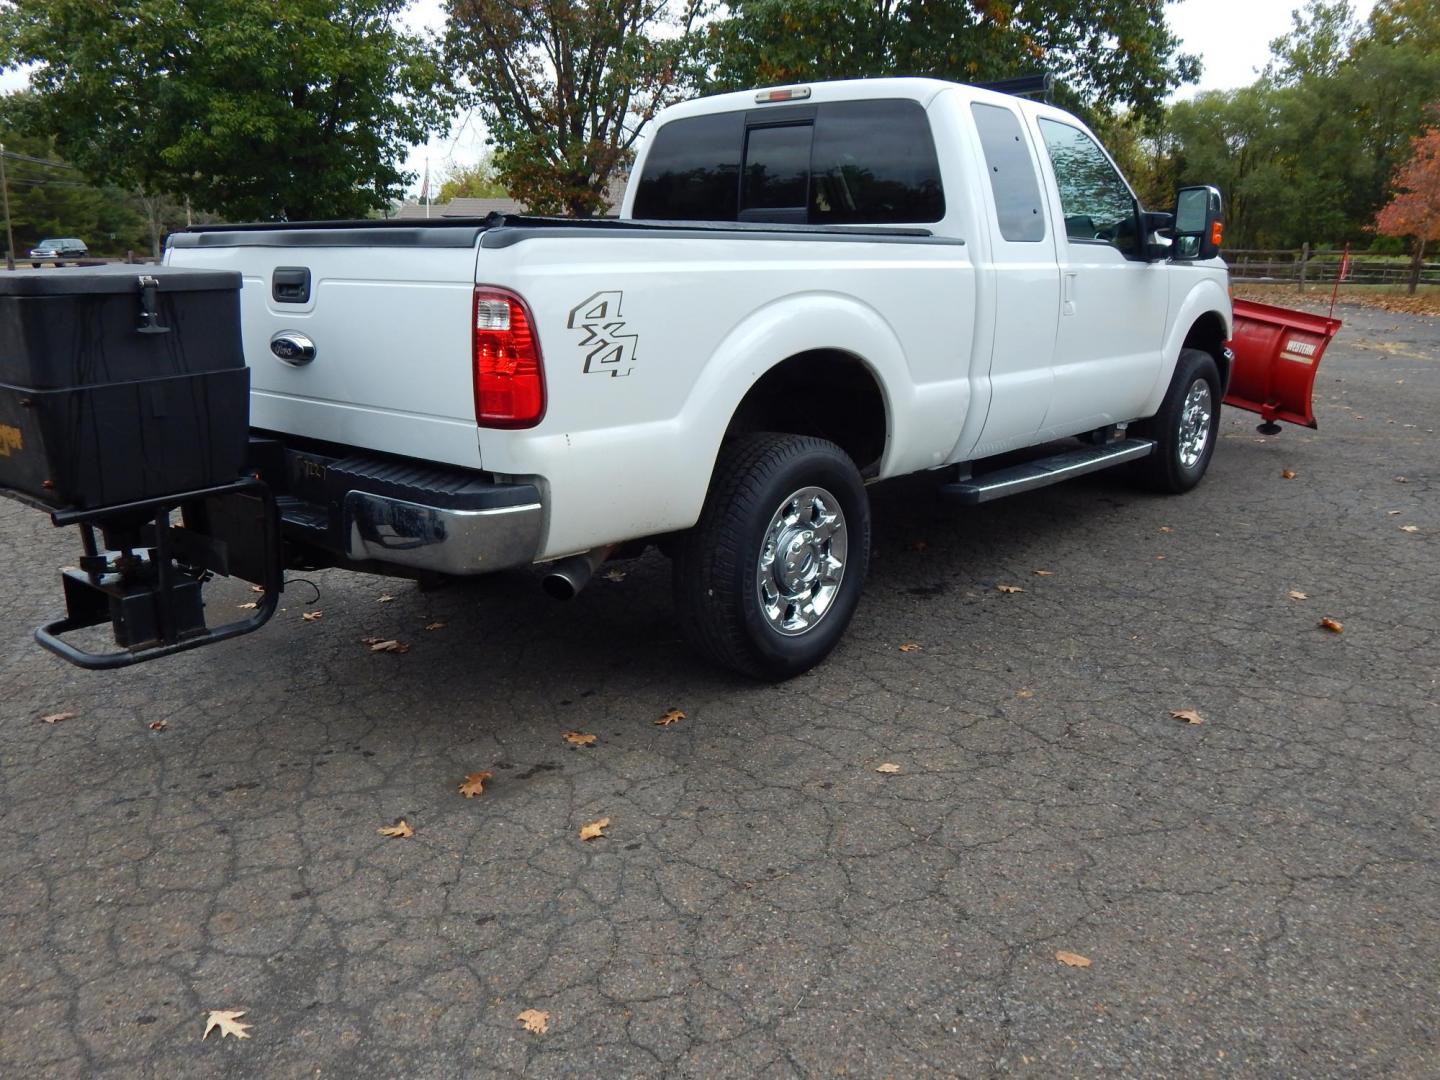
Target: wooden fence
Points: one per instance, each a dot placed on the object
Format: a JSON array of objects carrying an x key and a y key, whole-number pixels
[{"x": 1302, "y": 267}]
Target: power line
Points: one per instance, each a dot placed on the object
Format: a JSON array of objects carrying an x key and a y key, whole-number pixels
[
  {"x": 13, "y": 156},
  {"x": 35, "y": 181}
]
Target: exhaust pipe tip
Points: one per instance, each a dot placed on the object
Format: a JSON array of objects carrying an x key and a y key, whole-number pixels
[
  {"x": 569, "y": 575},
  {"x": 559, "y": 586}
]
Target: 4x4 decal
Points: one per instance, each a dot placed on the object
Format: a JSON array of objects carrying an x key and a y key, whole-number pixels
[{"x": 606, "y": 347}]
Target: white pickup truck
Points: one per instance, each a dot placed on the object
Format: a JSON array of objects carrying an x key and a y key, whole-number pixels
[{"x": 808, "y": 289}]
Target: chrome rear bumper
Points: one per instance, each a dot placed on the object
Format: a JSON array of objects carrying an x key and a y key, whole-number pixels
[{"x": 445, "y": 541}]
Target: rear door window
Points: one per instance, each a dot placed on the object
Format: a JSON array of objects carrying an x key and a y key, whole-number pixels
[{"x": 1012, "y": 173}]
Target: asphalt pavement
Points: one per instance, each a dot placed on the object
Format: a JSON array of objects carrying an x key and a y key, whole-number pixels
[{"x": 1256, "y": 895}]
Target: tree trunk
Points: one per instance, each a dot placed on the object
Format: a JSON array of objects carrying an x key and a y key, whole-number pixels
[
  {"x": 151, "y": 206},
  {"x": 1416, "y": 264}
]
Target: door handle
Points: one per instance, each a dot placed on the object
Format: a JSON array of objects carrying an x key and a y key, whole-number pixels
[{"x": 1067, "y": 295}]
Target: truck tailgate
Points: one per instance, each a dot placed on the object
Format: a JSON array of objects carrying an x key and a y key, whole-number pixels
[{"x": 390, "y": 329}]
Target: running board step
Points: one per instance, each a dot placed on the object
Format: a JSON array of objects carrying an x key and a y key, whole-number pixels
[{"x": 1042, "y": 472}]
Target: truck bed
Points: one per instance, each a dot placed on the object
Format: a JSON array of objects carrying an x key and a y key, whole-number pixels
[{"x": 695, "y": 310}]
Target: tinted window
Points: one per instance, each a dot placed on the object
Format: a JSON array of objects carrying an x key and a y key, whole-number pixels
[
  {"x": 1097, "y": 203},
  {"x": 692, "y": 172},
  {"x": 1012, "y": 173},
  {"x": 777, "y": 172},
  {"x": 857, "y": 162},
  {"x": 873, "y": 162}
]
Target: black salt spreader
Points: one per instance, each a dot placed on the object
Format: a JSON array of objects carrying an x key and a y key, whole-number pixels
[{"x": 124, "y": 410}]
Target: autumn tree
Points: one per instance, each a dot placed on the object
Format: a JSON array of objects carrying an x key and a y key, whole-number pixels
[
  {"x": 564, "y": 88},
  {"x": 1106, "y": 55},
  {"x": 1415, "y": 209},
  {"x": 278, "y": 109}
]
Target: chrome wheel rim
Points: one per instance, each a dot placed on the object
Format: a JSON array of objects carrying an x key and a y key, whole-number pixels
[
  {"x": 802, "y": 561},
  {"x": 1195, "y": 417}
]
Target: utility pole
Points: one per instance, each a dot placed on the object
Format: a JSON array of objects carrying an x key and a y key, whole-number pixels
[{"x": 9, "y": 232}]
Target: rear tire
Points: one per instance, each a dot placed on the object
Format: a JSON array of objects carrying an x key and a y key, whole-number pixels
[
  {"x": 1186, "y": 427},
  {"x": 769, "y": 577}
]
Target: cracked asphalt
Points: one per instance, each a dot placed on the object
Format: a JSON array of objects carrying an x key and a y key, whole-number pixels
[{"x": 1259, "y": 895}]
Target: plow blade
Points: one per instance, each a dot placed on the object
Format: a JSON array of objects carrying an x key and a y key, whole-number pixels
[{"x": 1277, "y": 351}]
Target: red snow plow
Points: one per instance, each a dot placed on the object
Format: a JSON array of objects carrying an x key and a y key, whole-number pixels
[{"x": 1277, "y": 351}]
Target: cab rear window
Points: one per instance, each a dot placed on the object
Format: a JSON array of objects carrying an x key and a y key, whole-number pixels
[{"x": 842, "y": 163}]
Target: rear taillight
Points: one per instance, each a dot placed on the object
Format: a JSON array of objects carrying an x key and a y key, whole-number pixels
[{"x": 509, "y": 378}]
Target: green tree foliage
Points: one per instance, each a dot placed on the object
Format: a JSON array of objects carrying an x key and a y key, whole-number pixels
[
  {"x": 564, "y": 88},
  {"x": 1319, "y": 42},
  {"x": 1119, "y": 53},
  {"x": 476, "y": 181},
  {"x": 274, "y": 109},
  {"x": 49, "y": 200},
  {"x": 1307, "y": 153}
]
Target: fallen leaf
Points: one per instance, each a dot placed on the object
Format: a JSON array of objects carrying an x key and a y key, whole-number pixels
[
  {"x": 57, "y": 717},
  {"x": 1393, "y": 513},
  {"x": 1287, "y": 474},
  {"x": 674, "y": 716},
  {"x": 910, "y": 646},
  {"x": 578, "y": 738},
  {"x": 435, "y": 626},
  {"x": 1026, "y": 694},
  {"x": 614, "y": 574},
  {"x": 1402, "y": 480},
  {"x": 1296, "y": 594},
  {"x": 1410, "y": 528},
  {"x": 248, "y": 607},
  {"x": 158, "y": 725},
  {"x": 257, "y": 588},
  {"x": 401, "y": 829},
  {"x": 1043, "y": 573},
  {"x": 384, "y": 598},
  {"x": 474, "y": 784},
  {"x": 390, "y": 645},
  {"x": 1009, "y": 588},
  {"x": 595, "y": 830},
  {"x": 1190, "y": 716},
  {"x": 1335, "y": 626},
  {"x": 1166, "y": 528},
  {"x": 311, "y": 616},
  {"x": 888, "y": 768},
  {"x": 228, "y": 1021},
  {"x": 1070, "y": 959},
  {"x": 535, "y": 1021}
]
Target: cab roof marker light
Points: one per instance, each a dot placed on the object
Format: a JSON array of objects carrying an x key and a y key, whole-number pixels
[{"x": 793, "y": 93}]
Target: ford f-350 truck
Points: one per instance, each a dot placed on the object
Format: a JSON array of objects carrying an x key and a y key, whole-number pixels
[{"x": 808, "y": 289}]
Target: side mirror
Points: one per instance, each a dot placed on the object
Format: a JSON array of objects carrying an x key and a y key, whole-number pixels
[
  {"x": 1199, "y": 223},
  {"x": 1156, "y": 227}
]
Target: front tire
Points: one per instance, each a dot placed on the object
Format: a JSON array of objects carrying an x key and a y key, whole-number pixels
[
  {"x": 1186, "y": 427},
  {"x": 769, "y": 577}
]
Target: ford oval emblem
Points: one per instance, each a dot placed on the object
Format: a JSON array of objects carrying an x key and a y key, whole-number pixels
[{"x": 293, "y": 348}]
